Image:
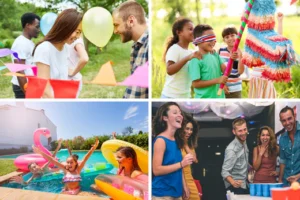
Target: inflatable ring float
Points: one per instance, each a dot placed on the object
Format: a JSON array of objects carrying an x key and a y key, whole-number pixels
[{"x": 109, "y": 147}]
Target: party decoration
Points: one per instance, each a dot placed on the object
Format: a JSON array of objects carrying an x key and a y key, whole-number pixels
[
  {"x": 64, "y": 88},
  {"x": 97, "y": 26},
  {"x": 138, "y": 78},
  {"x": 47, "y": 22},
  {"x": 265, "y": 48},
  {"x": 237, "y": 41},
  {"x": 6, "y": 52},
  {"x": 293, "y": 1},
  {"x": 106, "y": 75},
  {"x": 14, "y": 74},
  {"x": 35, "y": 87},
  {"x": 14, "y": 67}
]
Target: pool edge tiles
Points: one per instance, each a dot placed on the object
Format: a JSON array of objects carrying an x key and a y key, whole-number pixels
[{"x": 11, "y": 193}]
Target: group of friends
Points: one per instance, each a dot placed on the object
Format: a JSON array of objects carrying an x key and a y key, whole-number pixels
[
  {"x": 175, "y": 141},
  {"x": 61, "y": 54},
  {"x": 198, "y": 73},
  {"x": 72, "y": 167}
]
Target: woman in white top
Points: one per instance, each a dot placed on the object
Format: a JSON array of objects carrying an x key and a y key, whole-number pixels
[
  {"x": 178, "y": 84},
  {"x": 77, "y": 59},
  {"x": 51, "y": 54}
]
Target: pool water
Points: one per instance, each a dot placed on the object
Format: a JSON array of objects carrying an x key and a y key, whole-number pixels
[
  {"x": 56, "y": 185},
  {"x": 13, "y": 156}
]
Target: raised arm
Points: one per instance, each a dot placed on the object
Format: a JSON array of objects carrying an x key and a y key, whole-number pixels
[
  {"x": 44, "y": 167},
  {"x": 114, "y": 135},
  {"x": 49, "y": 158},
  {"x": 87, "y": 156},
  {"x": 67, "y": 145}
]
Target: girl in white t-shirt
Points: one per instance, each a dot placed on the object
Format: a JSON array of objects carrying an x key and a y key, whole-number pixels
[
  {"x": 178, "y": 84},
  {"x": 77, "y": 59},
  {"x": 51, "y": 54}
]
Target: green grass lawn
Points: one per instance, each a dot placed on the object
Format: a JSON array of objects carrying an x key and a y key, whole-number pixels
[
  {"x": 7, "y": 166},
  {"x": 115, "y": 51},
  {"x": 218, "y": 23}
]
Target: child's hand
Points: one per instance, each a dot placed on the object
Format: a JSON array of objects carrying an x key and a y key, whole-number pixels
[
  {"x": 226, "y": 90},
  {"x": 95, "y": 145},
  {"x": 59, "y": 143},
  {"x": 196, "y": 54},
  {"x": 279, "y": 16},
  {"x": 222, "y": 79},
  {"x": 114, "y": 135},
  {"x": 70, "y": 72},
  {"x": 17, "y": 179},
  {"x": 67, "y": 143},
  {"x": 234, "y": 55},
  {"x": 36, "y": 150}
]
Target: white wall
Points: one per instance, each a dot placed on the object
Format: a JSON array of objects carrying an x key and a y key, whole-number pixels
[{"x": 19, "y": 123}]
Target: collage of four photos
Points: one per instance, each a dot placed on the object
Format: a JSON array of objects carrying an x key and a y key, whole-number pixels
[{"x": 149, "y": 99}]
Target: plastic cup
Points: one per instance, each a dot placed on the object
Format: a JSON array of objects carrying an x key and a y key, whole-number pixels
[
  {"x": 279, "y": 193},
  {"x": 252, "y": 189},
  {"x": 272, "y": 185},
  {"x": 293, "y": 194},
  {"x": 258, "y": 189},
  {"x": 265, "y": 190}
]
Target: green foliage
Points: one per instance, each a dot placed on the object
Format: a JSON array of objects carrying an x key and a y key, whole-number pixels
[
  {"x": 7, "y": 166},
  {"x": 79, "y": 143}
]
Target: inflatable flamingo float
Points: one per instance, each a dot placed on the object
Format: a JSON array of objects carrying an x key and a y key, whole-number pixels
[{"x": 22, "y": 162}]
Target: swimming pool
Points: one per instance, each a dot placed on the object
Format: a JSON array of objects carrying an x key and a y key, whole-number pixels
[
  {"x": 12, "y": 156},
  {"x": 56, "y": 185}
]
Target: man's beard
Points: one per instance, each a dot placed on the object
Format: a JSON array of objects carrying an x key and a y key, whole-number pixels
[{"x": 127, "y": 34}]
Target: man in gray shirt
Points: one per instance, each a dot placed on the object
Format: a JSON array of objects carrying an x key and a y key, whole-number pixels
[{"x": 235, "y": 166}]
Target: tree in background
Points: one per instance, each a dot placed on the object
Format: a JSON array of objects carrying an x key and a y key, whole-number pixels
[
  {"x": 77, "y": 142},
  {"x": 127, "y": 131}
]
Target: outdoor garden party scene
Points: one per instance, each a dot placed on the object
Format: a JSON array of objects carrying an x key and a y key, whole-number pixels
[
  {"x": 95, "y": 150},
  {"x": 74, "y": 49},
  {"x": 225, "y": 49}
]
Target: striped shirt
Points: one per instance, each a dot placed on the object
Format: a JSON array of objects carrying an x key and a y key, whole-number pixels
[
  {"x": 234, "y": 83},
  {"x": 138, "y": 56}
]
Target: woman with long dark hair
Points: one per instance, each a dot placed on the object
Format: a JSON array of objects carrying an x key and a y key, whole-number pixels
[
  {"x": 51, "y": 54},
  {"x": 264, "y": 156},
  {"x": 167, "y": 161},
  {"x": 188, "y": 145}
]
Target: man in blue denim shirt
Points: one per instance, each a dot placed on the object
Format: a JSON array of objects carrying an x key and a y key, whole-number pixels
[{"x": 289, "y": 147}]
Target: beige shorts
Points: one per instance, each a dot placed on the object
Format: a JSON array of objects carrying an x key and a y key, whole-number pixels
[{"x": 166, "y": 198}]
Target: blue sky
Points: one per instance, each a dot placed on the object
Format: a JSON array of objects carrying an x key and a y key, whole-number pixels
[{"x": 93, "y": 118}]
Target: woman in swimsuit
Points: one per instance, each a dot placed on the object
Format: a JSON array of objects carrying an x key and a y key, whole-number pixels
[{"x": 72, "y": 169}]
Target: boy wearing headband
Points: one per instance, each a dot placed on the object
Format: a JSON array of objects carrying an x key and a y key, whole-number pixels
[
  {"x": 233, "y": 87},
  {"x": 206, "y": 73}
]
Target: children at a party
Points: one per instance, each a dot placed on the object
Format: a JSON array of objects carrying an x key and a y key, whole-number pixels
[
  {"x": 36, "y": 170},
  {"x": 71, "y": 171},
  {"x": 206, "y": 74},
  {"x": 176, "y": 56},
  {"x": 233, "y": 87}
]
